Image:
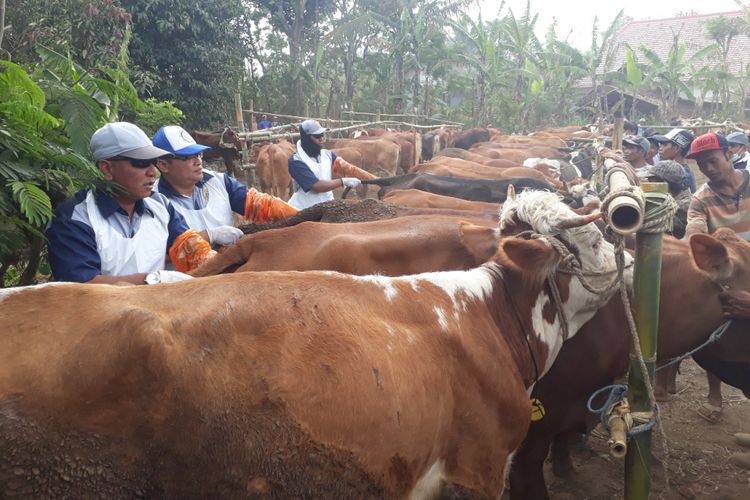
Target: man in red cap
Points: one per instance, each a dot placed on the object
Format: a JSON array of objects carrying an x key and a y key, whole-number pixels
[{"x": 724, "y": 201}]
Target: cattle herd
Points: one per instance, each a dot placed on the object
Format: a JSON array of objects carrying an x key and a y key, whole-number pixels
[{"x": 399, "y": 363}]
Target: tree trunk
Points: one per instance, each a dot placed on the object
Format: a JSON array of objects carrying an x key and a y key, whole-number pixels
[
  {"x": 398, "y": 106},
  {"x": 295, "y": 37},
  {"x": 2, "y": 21}
]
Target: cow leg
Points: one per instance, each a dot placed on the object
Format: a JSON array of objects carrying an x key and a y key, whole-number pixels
[
  {"x": 562, "y": 463},
  {"x": 229, "y": 163},
  {"x": 527, "y": 469}
]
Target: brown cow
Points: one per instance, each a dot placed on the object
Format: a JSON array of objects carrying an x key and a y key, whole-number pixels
[
  {"x": 467, "y": 155},
  {"x": 450, "y": 167},
  {"x": 272, "y": 170},
  {"x": 225, "y": 144},
  {"x": 380, "y": 157},
  {"x": 689, "y": 312},
  {"x": 417, "y": 198},
  {"x": 384, "y": 387},
  {"x": 362, "y": 247}
]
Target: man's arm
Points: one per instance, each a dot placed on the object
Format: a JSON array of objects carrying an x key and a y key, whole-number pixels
[
  {"x": 308, "y": 181},
  {"x": 697, "y": 218}
]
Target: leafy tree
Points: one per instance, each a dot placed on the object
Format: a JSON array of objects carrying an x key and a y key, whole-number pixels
[
  {"x": 673, "y": 74},
  {"x": 94, "y": 32},
  {"x": 188, "y": 53},
  {"x": 300, "y": 21}
]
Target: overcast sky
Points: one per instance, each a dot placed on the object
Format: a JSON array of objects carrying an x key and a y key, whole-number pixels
[{"x": 575, "y": 18}]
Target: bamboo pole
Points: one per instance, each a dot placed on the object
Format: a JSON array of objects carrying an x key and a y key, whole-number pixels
[
  {"x": 646, "y": 286},
  {"x": 273, "y": 134}
]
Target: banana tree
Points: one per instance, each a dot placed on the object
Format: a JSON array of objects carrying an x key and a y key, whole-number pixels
[{"x": 673, "y": 75}]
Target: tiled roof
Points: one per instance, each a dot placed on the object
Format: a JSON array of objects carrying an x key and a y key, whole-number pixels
[{"x": 657, "y": 35}]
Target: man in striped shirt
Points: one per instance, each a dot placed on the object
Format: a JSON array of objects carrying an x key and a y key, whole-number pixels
[{"x": 724, "y": 201}]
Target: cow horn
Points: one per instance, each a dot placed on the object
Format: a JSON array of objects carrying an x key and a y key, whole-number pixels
[{"x": 578, "y": 221}]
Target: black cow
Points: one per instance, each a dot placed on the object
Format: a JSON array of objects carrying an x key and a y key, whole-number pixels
[
  {"x": 493, "y": 191},
  {"x": 468, "y": 138}
]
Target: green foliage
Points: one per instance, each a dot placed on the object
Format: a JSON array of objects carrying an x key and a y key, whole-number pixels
[
  {"x": 192, "y": 52},
  {"x": 94, "y": 32},
  {"x": 155, "y": 114}
]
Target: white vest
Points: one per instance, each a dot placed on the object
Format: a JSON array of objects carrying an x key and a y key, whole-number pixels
[
  {"x": 143, "y": 253},
  {"x": 301, "y": 199},
  {"x": 218, "y": 209}
]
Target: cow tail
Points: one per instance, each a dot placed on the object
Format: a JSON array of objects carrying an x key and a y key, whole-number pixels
[{"x": 233, "y": 255}]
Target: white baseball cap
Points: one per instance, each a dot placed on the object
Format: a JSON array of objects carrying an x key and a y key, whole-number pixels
[{"x": 123, "y": 139}]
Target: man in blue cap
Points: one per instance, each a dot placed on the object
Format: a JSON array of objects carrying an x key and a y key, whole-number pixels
[
  {"x": 124, "y": 233},
  {"x": 207, "y": 199},
  {"x": 738, "y": 149}
]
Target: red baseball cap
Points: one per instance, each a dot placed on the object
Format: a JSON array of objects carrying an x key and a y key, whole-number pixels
[{"x": 707, "y": 142}]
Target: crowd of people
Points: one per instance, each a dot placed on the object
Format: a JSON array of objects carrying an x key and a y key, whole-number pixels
[{"x": 159, "y": 214}]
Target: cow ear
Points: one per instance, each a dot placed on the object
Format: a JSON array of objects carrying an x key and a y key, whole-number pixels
[
  {"x": 534, "y": 258},
  {"x": 480, "y": 241},
  {"x": 511, "y": 195},
  {"x": 710, "y": 256}
]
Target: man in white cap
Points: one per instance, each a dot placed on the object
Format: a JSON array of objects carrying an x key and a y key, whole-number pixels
[
  {"x": 312, "y": 168},
  {"x": 122, "y": 234},
  {"x": 635, "y": 150},
  {"x": 205, "y": 198},
  {"x": 738, "y": 149}
]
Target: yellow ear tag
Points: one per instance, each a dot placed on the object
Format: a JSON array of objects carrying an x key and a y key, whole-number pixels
[{"x": 537, "y": 410}]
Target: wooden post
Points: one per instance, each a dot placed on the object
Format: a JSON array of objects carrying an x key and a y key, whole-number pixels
[
  {"x": 617, "y": 134},
  {"x": 238, "y": 112}
]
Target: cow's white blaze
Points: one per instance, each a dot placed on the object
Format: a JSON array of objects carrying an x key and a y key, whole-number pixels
[
  {"x": 442, "y": 321},
  {"x": 429, "y": 484},
  {"x": 544, "y": 213}
]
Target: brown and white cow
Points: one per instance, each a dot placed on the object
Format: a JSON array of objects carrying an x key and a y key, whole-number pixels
[
  {"x": 392, "y": 247},
  {"x": 689, "y": 311},
  {"x": 288, "y": 384}
]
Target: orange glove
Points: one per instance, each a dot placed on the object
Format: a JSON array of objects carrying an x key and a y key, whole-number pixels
[
  {"x": 342, "y": 168},
  {"x": 189, "y": 251},
  {"x": 262, "y": 207}
]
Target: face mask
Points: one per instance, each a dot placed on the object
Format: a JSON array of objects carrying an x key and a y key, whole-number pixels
[{"x": 736, "y": 157}]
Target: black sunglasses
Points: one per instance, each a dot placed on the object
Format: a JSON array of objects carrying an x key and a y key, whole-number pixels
[
  {"x": 183, "y": 157},
  {"x": 317, "y": 136},
  {"x": 136, "y": 163}
]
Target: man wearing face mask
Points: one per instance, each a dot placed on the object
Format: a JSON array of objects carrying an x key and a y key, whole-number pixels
[
  {"x": 312, "y": 168},
  {"x": 738, "y": 149}
]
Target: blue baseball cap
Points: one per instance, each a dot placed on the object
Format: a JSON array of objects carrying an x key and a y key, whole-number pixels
[
  {"x": 123, "y": 139},
  {"x": 176, "y": 141},
  {"x": 737, "y": 138}
]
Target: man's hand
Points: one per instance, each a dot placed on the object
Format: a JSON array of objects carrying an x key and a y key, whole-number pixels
[
  {"x": 735, "y": 303},
  {"x": 351, "y": 182},
  {"x": 224, "y": 235}
]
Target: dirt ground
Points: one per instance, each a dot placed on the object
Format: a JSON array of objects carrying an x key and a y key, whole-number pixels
[{"x": 697, "y": 465}]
